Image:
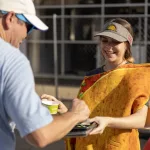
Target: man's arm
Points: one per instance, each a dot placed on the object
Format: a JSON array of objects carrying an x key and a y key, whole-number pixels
[
  {"x": 24, "y": 107},
  {"x": 60, "y": 126},
  {"x": 54, "y": 131}
]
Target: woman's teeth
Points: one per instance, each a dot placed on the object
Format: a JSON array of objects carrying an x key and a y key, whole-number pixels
[{"x": 109, "y": 52}]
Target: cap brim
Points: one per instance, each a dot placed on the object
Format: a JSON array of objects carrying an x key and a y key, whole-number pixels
[
  {"x": 36, "y": 22},
  {"x": 113, "y": 35}
]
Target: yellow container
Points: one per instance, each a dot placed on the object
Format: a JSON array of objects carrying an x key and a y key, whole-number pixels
[{"x": 51, "y": 105}]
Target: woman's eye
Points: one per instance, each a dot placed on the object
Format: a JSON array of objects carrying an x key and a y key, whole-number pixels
[
  {"x": 116, "y": 42},
  {"x": 104, "y": 41}
]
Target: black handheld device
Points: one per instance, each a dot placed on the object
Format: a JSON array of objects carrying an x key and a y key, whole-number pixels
[{"x": 81, "y": 130}]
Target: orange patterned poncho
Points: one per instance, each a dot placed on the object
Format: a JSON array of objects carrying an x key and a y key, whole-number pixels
[{"x": 117, "y": 93}]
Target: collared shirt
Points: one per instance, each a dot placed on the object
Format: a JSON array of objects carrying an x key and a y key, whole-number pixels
[{"x": 19, "y": 102}]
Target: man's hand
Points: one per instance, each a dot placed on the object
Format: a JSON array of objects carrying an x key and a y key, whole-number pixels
[
  {"x": 61, "y": 108},
  {"x": 81, "y": 109}
]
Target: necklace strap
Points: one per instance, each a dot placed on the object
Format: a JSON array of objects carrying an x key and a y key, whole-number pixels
[{"x": 122, "y": 63}]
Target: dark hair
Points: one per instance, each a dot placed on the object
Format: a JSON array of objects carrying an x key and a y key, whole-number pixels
[{"x": 127, "y": 25}]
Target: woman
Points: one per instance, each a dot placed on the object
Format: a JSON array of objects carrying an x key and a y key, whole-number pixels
[{"x": 116, "y": 93}]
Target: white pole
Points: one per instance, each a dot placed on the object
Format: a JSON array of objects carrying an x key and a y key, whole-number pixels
[{"x": 55, "y": 54}]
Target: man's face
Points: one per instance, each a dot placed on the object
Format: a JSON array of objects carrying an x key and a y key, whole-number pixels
[{"x": 16, "y": 30}]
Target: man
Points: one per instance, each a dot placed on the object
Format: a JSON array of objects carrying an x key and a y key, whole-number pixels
[{"x": 18, "y": 100}]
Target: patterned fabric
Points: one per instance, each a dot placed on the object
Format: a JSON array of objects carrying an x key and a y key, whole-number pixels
[
  {"x": 117, "y": 93},
  {"x": 147, "y": 145}
]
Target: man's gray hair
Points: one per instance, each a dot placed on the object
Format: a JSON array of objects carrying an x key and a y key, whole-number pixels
[{"x": 1, "y": 14}]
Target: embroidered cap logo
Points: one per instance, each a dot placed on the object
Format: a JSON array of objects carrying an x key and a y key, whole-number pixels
[{"x": 111, "y": 27}]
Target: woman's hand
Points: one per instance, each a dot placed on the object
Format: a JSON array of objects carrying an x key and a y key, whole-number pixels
[
  {"x": 61, "y": 109},
  {"x": 102, "y": 123}
]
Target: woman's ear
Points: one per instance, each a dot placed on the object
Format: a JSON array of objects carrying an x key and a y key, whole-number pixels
[{"x": 127, "y": 50}]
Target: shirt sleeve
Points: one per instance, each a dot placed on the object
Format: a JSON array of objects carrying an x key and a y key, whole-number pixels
[{"x": 21, "y": 102}]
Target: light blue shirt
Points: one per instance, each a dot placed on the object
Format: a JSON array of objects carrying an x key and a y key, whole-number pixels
[{"x": 18, "y": 100}]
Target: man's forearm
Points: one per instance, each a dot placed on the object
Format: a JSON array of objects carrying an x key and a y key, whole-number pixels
[
  {"x": 54, "y": 131},
  {"x": 64, "y": 123},
  {"x": 136, "y": 120}
]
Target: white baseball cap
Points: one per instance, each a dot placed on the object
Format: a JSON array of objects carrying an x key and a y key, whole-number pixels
[{"x": 25, "y": 7}]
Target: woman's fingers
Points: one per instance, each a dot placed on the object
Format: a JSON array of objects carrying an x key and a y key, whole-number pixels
[
  {"x": 97, "y": 130},
  {"x": 102, "y": 123},
  {"x": 93, "y": 120},
  {"x": 53, "y": 98},
  {"x": 87, "y": 122},
  {"x": 59, "y": 110},
  {"x": 49, "y": 97},
  {"x": 62, "y": 108},
  {"x": 44, "y": 96}
]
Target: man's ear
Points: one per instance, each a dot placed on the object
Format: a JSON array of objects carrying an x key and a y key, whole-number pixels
[{"x": 9, "y": 20}]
